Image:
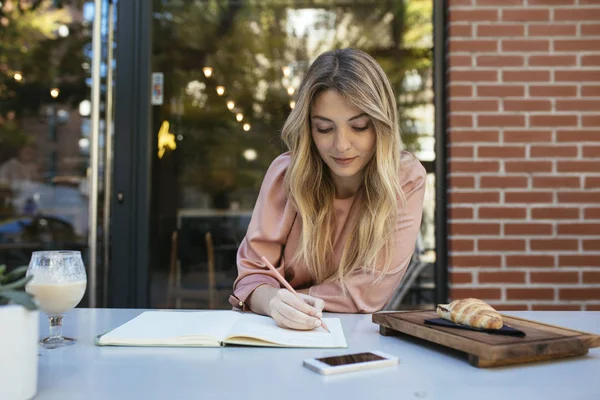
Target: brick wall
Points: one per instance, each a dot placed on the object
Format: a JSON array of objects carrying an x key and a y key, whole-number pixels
[{"x": 524, "y": 152}]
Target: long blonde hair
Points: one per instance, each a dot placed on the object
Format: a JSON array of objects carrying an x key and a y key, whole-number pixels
[{"x": 359, "y": 78}]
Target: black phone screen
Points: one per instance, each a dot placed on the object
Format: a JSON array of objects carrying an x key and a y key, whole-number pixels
[{"x": 350, "y": 359}]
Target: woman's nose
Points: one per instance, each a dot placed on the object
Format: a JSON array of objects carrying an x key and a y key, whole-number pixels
[{"x": 342, "y": 141}]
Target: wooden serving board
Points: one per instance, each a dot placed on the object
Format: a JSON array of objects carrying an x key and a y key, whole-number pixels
[{"x": 542, "y": 341}]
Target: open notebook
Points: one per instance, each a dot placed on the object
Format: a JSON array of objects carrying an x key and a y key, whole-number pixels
[{"x": 217, "y": 328}]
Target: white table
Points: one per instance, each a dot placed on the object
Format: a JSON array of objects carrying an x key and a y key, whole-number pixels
[{"x": 85, "y": 371}]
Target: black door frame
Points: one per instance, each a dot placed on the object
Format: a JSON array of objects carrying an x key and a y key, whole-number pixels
[{"x": 131, "y": 199}]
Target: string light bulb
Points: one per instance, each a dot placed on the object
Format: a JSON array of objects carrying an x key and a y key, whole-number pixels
[
  {"x": 54, "y": 92},
  {"x": 291, "y": 90},
  {"x": 18, "y": 76},
  {"x": 207, "y": 71},
  {"x": 231, "y": 104},
  {"x": 220, "y": 90},
  {"x": 246, "y": 127},
  {"x": 286, "y": 71},
  {"x": 292, "y": 104},
  {"x": 239, "y": 117}
]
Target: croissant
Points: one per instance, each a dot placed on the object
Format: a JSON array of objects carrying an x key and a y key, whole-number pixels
[{"x": 471, "y": 312}]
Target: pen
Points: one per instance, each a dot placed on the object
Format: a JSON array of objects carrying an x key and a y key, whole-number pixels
[{"x": 288, "y": 286}]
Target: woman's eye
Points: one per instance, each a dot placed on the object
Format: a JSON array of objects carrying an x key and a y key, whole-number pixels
[
  {"x": 361, "y": 128},
  {"x": 326, "y": 130}
]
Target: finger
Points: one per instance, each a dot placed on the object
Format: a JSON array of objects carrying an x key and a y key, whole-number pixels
[
  {"x": 317, "y": 303},
  {"x": 299, "y": 304},
  {"x": 286, "y": 322},
  {"x": 297, "y": 316}
]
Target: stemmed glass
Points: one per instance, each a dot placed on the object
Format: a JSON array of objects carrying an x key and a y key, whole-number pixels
[{"x": 58, "y": 284}]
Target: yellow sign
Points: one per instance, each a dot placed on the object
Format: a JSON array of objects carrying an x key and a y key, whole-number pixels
[{"x": 166, "y": 139}]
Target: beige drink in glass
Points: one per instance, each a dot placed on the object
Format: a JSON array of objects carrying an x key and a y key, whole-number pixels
[{"x": 58, "y": 285}]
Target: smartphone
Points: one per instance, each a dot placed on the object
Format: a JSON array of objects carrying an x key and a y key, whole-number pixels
[{"x": 350, "y": 362}]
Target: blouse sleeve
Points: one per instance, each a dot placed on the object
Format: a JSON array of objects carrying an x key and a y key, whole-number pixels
[
  {"x": 362, "y": 294},
  {"x": 269, "y": 227}
]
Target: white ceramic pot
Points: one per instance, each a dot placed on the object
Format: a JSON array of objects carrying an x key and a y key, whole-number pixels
[{"x": 19, "y": 333}]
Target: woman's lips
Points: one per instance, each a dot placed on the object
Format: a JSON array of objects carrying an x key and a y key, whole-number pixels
[{"x": 344, "y": 161}]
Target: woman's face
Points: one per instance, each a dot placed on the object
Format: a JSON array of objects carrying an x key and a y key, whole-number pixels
[{"x": 344, "y": 136}]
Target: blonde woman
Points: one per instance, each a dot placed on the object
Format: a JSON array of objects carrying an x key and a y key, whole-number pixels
[{"x": 339, "y": 214}]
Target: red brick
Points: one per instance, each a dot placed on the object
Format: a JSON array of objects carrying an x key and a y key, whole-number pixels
[
  {"x": 501, "y": 30},
  {"x": 578, "y": 228},
  {"x": 502, "y": 277},
  {"x": 500, "y": 90},
  {"x": 584, "y": 260},
  {"x": 590, "y": 29},
  {"x": 460, "y": 151},
  {"x": 528, "y": 166},
  {"x": 460, "y": 121},
  {"x": 461, "y": 277},
  {"x": 552, "y": 90},
  {"x": 473, "y": 15},
  {"x": 527, "y": 105},
  {"x": 478, "y": 293},
  {"x": 500, "y": 61},
  {"x": 577, "y": 136},
  {"x": 479, "y": 135},
  {"x": 592, "y": 213},
  {"x": 528, "y": 197},
  {"x": 473, "y": 105},
  {"x": 474, "y": 197},
  {"x": 501, "y": 244},
  {"x": 461, "y": 244},
  {"x": 550, "y": 2},
  {"x": 553, "y": 120},
  {"x": 479, "y": 261},
  {"x": 555, "y": 277},
  {"x": 460, "y": 91},
  {"x": 592, "y": 307},
  {"x": 590, "y": 60},
  {"x": 556, "y": 307},
  {"x": 503, "y": 182},
  {"x": 578, "y": 166},
  {"x": 552, "y": 60},
  {"x": 459, "y": 61},
  {"x": 460, "y": 213},
  {"x": 525, "y": 15},
  {"x": 526, "y": 75},
  {"x": 470, "y": 228},
  {"x": 473, "y": 166},
  {"x": 590, "y": 120},
  {"x": 530, "y": 261},
  {"x": 577, "y": 14},
  {"x": 579, "y": 197},
  {"x": 527, "y": 136},
  {"x": 591, "y": 151},
  {"x": 525, "y": 45},
  {"x": 550, "y": 30},
  {"x": 502, "y": 213},
  {"x": 592, "y": 182},
  {"x": 579, "y": 294},
  {"x": 472, "y": 45},
  {"x": 555, "y": 213},
  {"x": 461, "y": 181},
  {"x": 530, "y": 294},
  {"x": 456, "y": 30},
  {"x": 500, "y": 120},
  {"x": 554, "y": 244},
  {"x": 556, "y": 182},
  {"x": 501, "y": 152},
  {"x": 509, "y": 307},
  {"x": 591, "y": 244},
  {"x": 577, "y": 105},
  {"x": 499, "y": 2},
  {"x": 473, "y": 76},
  {"x": 591, "y": 277},
  {"x": 590, "y": 90},
  {"x": 452, "y": 3},
  {"x": 553, "y": 151},
  {"x": 529, "y": 228},
  {"x": 577, "y": 75}
]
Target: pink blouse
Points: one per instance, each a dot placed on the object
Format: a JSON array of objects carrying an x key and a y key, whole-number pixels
[{"x": 275, "y": 230}]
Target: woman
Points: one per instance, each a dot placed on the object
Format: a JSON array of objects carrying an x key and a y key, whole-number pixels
[{"x": 339, "y": 214}]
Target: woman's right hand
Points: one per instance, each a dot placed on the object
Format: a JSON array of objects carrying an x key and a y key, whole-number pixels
[{"x": 289, "y": 311}]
